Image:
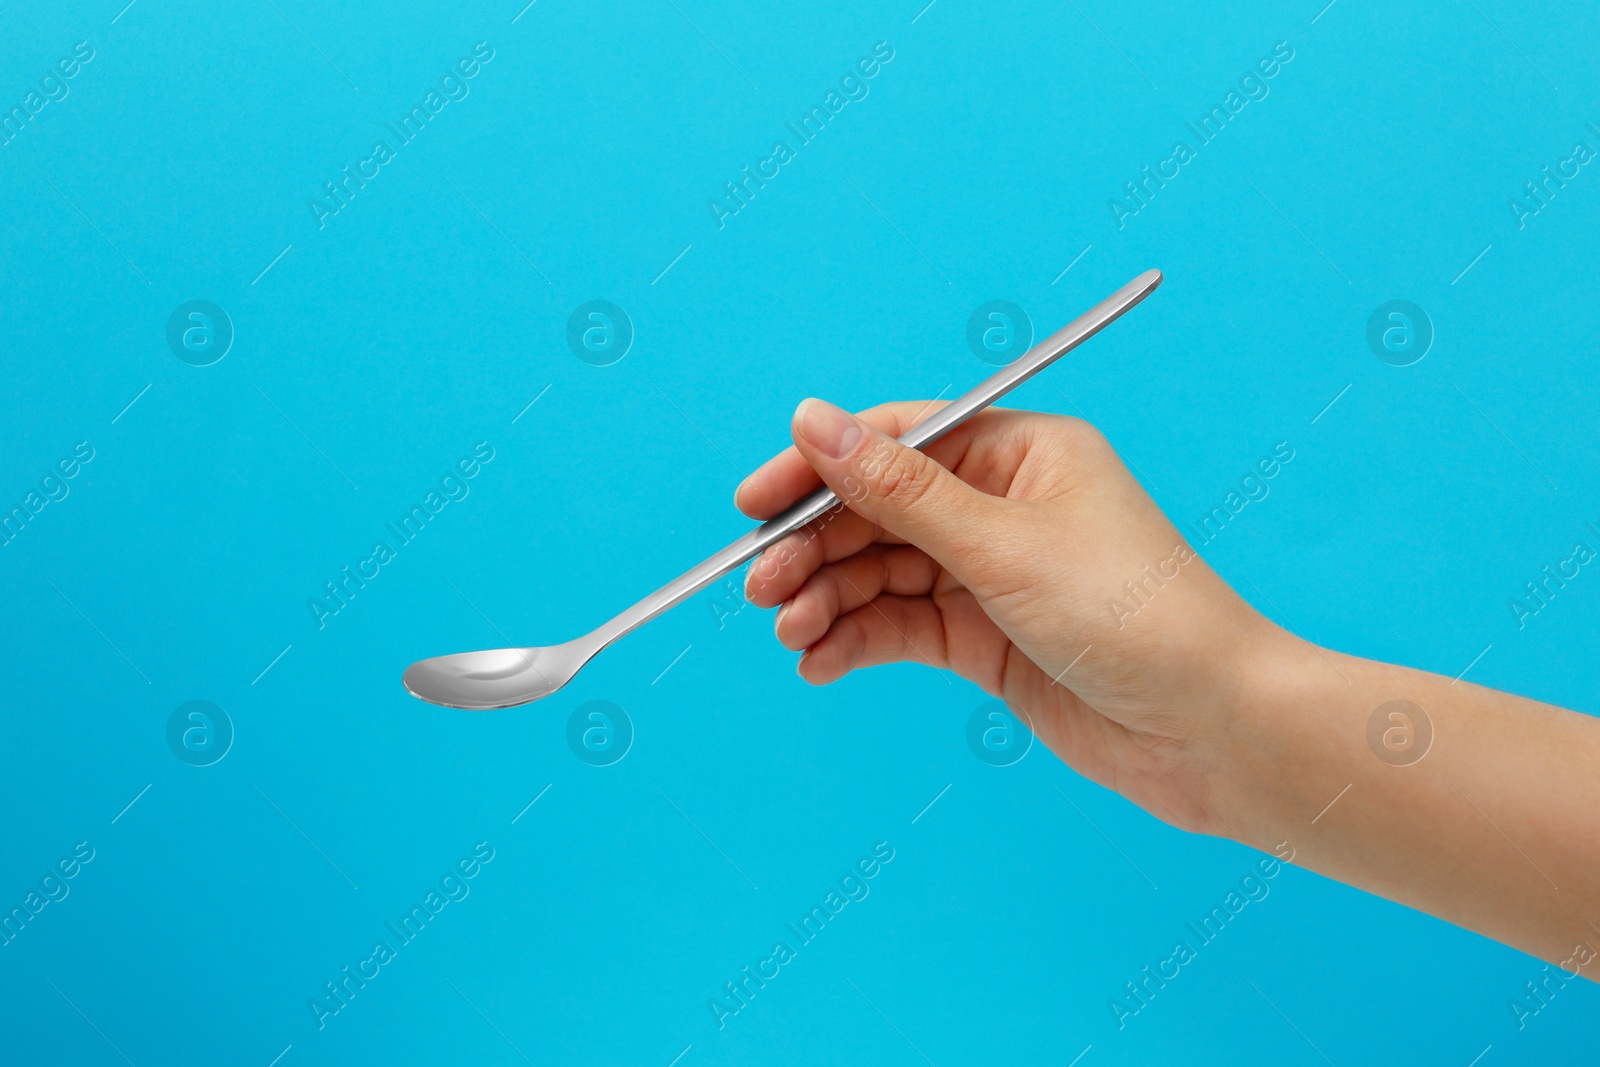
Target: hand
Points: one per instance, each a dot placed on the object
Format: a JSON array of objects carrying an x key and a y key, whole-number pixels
[{"x": 1019, "y": 553}]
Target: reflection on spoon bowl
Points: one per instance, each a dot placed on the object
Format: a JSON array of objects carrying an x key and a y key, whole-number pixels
[{"x": 496, "y": 678}]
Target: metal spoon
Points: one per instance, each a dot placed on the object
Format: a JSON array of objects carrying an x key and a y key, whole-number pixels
[{"x": 506, "y": 677}]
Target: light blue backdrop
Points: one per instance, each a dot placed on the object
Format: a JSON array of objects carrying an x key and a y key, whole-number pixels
[{"x": 375, "y": 346}]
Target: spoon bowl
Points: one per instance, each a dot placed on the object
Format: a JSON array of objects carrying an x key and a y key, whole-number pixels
[{"x": 498, "y": 677}]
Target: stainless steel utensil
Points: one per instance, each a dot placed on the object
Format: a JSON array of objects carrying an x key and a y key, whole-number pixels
[{"x": 506, "y": 677}]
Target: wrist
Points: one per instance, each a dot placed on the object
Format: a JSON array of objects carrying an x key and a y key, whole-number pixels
[{"x": 1283, "y": 747}]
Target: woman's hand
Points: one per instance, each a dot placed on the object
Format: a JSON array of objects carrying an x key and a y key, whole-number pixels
[{"x": 1021, "y": 554}]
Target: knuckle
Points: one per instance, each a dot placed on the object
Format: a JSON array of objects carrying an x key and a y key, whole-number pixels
[
  {"x": 1085, "y": 443},
  {"x": 904, "y": 479},
  {"x": 832, "y": 597},
  {"x": 771, "y": 564}
]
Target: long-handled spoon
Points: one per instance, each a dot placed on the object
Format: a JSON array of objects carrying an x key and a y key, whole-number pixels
[{"x": 506, "y": 677}]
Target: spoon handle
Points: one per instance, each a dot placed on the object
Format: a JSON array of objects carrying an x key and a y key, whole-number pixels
[{"x": 924, "y": 433}]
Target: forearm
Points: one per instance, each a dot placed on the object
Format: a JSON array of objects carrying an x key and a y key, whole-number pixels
[{"x": 1495, "y": 828}]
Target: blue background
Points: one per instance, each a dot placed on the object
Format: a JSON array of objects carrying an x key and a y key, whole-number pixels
[{"x": 374, "y": 352}]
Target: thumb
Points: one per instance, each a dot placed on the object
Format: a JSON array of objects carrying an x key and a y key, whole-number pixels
[{"x": 899, "y": 488}]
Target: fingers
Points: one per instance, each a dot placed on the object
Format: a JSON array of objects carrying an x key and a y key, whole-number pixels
[
  {"x": 943, "y": 627},
  {"x": 906, "y": 491},
  {"x": 892, "y": 628},
  {"x": 841, "y": 588},
  {"x": 781, "y": 570},
  {"x": 887, "y": 630}
]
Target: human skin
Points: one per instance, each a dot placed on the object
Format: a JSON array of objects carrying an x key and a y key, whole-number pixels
[{"x": 997, "y": 555}]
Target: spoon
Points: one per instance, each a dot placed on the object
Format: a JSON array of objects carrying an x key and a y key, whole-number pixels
[{"x": 506, "y": 677}]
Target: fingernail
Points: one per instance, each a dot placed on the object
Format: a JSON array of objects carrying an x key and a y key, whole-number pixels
[
  {"x": 782, "y": 611},
  {"x": 830, "y": 430}
]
